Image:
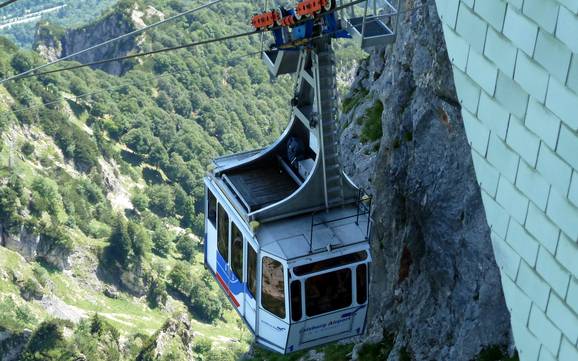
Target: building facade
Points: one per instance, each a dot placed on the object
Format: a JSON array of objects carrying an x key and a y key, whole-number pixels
[{"x": 515, "y": 66}]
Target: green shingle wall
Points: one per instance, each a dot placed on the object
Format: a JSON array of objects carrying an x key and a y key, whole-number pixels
[{"x": 516, "y": 73}]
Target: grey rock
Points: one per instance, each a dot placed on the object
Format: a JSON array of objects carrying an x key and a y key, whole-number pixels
[
  {"x": 33, "y": 246},
  {"x": 435, "y": 283},
  {"x": 54, "y": 45}
]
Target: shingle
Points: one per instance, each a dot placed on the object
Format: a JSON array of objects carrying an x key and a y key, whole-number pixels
[
  {"x": 533, "y": 285},
  {"x": 517, "y": 3},
  {"x": 511, "y": 96},
  {"x": 542, "y": 229},
  {"x": 496, "y": 216},
  {"x": 568, "y": 146},
  {"x": 570, "y": 4},
  {"x": 482, "y": 71},
  {"x": 553, "y": 55},
  {"x": 533, "y": 185},
  {"x": 448, "y": 11},
  {"x": 524, "y": 142},
  {"x": 468, "y": 91},
  {"x": 527, "y": 344},
  {"x": 486, "y": 174},
  {"x": 472, "y": 28},
  {"x": 573, "y": 194},
  {"x": 568, "y": 254},
  {"x": 545, "y": 355},
  {"x": 544, "y": 12},
  {"x": 501, "y": 51},
  {"x": 568, "y": 352},
  {"x": 493, "y": 11},
  {"x": 518, "y": 303},
  {"x": 477, "y": 133},
  {"x": 554, "y": 169},
  {"x": 572, "y": 82},
  {"x": 522, "y": 243},
  {"x": 493, "y": 116},
  {"x": 545, "y": 330},
  {"x": 503, "y": 158},
  {"x": 563, "y": 317},
  {"x": 520, "y": 30},
  {"x": 543, "y": 122},
  {"x": 531, "y": 76},
  {"x": 564, "y": 214},
  {"x": 507, "y": 259},
  {"x": 553, "y": 272},
  {"x": 457, "y": 47},
  {"x": 572, "y": 297},
  {"x": 567, "y": 29},
  {"x": 562, "y": 102}
]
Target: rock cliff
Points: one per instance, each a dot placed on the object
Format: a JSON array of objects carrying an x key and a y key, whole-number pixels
[
  {"x": 436, "y": 287},
  {"x": 33, "y": 246},
  {"x": 53, "y": 42}
]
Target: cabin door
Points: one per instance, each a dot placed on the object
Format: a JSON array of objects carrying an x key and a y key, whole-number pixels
[
  {"x": 235, "y": 272},
  {"x": 251, "y": 286}
]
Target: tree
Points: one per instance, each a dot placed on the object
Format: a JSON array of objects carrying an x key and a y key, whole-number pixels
[
  {"x": 140, "y": 241},
  {"x": 157, "y": 154},
  {"x": 27, "y": 148},
  {"x": 157, "y": 295},
  {"x": 186, "y": 247},
  {"x": 120, "y": 247},
  {"x": 162, "y": 241},
  {"x": 140, "y": 200},
  {"x": 162, "y": 200},
  {"x": 181, "y": 278}
]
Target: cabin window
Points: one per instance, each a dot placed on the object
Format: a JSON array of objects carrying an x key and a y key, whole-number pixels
[
  {"x": 223, "y": 233},
  {"x": 251, "y": 270},
  {"x": 296, "y": 312},
  {"x": 328, "y": 292},
  {"x": 211, "y": 208},
  {"x": 330, "y": 263},
  {"x": 361, "y": 283},
  {"x": 237, "y": 251},
  {"x": 273, "y": 287}
]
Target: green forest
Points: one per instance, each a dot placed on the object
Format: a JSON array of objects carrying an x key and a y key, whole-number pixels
[{"x": 111, "y": 168}]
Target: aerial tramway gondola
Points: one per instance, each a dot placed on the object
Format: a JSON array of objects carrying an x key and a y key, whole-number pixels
[{"x": 287, "y": 233}]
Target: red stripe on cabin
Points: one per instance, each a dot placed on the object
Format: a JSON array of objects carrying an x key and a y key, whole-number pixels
[{"x": 228, "y": 291}]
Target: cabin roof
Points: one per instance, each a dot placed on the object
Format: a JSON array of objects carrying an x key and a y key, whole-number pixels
[{"x": 289, "y": 238}]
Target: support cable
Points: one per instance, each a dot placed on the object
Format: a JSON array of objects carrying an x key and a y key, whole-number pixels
[
  {"x": 132, "y": 56},
  {"x": 119, "y": 86},
  {"x": 132, "y": 33}
]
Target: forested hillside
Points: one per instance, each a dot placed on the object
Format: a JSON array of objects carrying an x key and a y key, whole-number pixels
[{"x": 101, "y": 195}]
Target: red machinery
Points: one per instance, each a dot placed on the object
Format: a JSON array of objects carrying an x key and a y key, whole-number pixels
[{"x": 284, "y": 18}]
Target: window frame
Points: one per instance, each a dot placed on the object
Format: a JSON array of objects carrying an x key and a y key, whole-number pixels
[
  {"x": 365, "y": 286},
  {"x": 231, "y": 262},
  {"x": 321, "y": 274},
  {"x": 301, "y": 314},
  {"x": 220, "y": 232},
  {"x": 211, "y": 213},
  {"x": 252, "y": 290},
  {"x": 285, "y": 314}
]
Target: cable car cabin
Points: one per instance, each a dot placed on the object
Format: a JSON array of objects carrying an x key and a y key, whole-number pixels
[{"x": 298, "y": 281}]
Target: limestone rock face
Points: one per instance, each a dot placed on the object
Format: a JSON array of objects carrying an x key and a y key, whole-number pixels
[
  {"x": 435, "y": 283},
  {"x": 53, "y": 42},
  {"x": 175, "y": 337},
  {"x": 11, "y": 345},
  {"x": 32, "y": 247}
]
